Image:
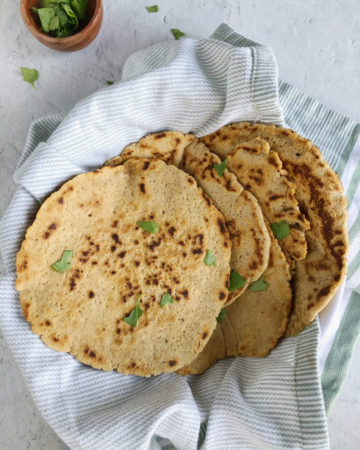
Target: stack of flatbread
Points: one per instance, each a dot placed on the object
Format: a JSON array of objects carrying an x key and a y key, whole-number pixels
[{"x": 183, "y": 251}]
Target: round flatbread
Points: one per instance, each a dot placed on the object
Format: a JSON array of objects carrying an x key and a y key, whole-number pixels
[
  {"x": 256, "y": 320},
  {"x": 321, "y": 198},
  {"x": 167, "y": 146},
  {"x": 92, "y": 307},
  {"x": 260, "y": 171},
  {"x": 244, "y": 219}
]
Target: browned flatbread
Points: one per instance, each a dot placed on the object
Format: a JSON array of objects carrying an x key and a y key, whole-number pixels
[
  {"x": 117, "y": 264},
  {"x": 260, "y": 171},
  {"x": 250, "y": 240},
  {"x": 242, "y": 213},
  {"x": 322, "y": 200},
  {"x": 255, "y": 321},
  {"x": 167, "y": 146}
]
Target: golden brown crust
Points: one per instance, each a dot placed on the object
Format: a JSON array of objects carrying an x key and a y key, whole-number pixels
[
  {"x": 244, "y": 219},
  {"x": 321, "y": 198},
  {"x": 115, "y": 261},
  {"x": 255, "y": 321},
  {"x": 166, "y": 145},
  {"x": 242, "y": 213},
  {"x": 260, "y": 170}
]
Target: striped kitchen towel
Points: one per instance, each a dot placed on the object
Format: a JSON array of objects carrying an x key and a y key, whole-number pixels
[{"x": 276, "y": 402}]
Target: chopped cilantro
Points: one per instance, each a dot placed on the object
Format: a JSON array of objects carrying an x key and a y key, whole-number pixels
[
  {"x": 60, "y": 18},
  {"x": 152, "y": 9},
  {"x": 151, "y": 227},
  {"x": 209, "y": 259},
  {"x": 220, "y": 168},
  {"x": 63, "y": 265},
  {"x": 259, "y": 285},
  {"x": 48, "y": 18},
  {"x": 30, "y": 75},
  {"x": 236, "y": 281},
  {"x": 280, "y": 229},
  {"x": 177, "y": 33},
  {"x": 79, "y": 7},
  {"x": 110, "y": 83},
  {"x": 134, "y": 316},
  {"x": 166, "y": 299},
  {"x": 221, "y": 317},
  {"x": 72, "y": 17}
]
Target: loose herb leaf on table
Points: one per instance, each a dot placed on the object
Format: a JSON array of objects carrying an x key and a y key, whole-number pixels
[
  {"x": 152, "y": 9},
  {"x": 30, "y": 75},
  {"x": 177, "y": 33}
]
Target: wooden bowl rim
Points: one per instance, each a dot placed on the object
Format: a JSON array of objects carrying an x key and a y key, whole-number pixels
[{"x": 26, "y": 12}]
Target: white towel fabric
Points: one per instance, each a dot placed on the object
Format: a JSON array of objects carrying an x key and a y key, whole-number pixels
[{"x": 193, "y": 86}]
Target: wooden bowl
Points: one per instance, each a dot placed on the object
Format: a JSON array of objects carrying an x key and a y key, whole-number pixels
[{"x": 88, "y": 30}]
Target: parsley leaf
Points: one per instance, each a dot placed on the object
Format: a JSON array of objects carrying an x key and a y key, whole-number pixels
[
  {"x": 30, "y": 75},
  {"x": 166, "y": 299},
  {"x": 110, "y": 83},
  {"x": 259, "y": 285},
  {"x": 280, "y": 229},
  {"x": 221, "y": 317},
  {"x": 151, "y": 227},
  {"x": 152, "y": 9},
  {"x": 209, "y": 259},
  {"x": 134, "y": 316},
  {"x": 220, "y": 168},
  {"x": 177, "y": 33},
  {"x": 63, "y": 265},
  {"x": 236, "y": 281}
]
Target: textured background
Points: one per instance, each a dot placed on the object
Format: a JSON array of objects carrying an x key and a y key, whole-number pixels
[{"x": 317, "y": 46}]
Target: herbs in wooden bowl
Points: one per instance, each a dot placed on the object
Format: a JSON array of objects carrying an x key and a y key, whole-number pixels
[
  {"x": 64, "y": 25},
  {"x": 61, "y": 18}
]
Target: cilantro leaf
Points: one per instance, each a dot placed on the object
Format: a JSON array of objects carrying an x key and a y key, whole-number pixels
[
  {"x": 63, "y": 19},
  {"x": 209, "y": 259},
  {"x": 79, "y": 7},
  {"x": 134, "y": 316},
  {"x": 220, "y": 168},
  {"x": 48, "y": 19},
  {"x": 259, "y": 285},
  {"x": 152, "y": 9},
  {"x": 51, "y": 3},
  {"x": 221, "y": 317},
  {"x": 280, "y": 229},
  {"x": 151, "y": 227},
  {"x": 30, "y": 75},
  {"x": 47, "y": 3},
  {"x": 166, "y": 299},
  {"x": 72, "y": 17},
  {"x": 63, "y": 265},
  {"x": 236, "y": 281},
  {"x": 109, "y": 83},
  {"x": 177, "y": 33},
  {"x": 60, "y": 18}
]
